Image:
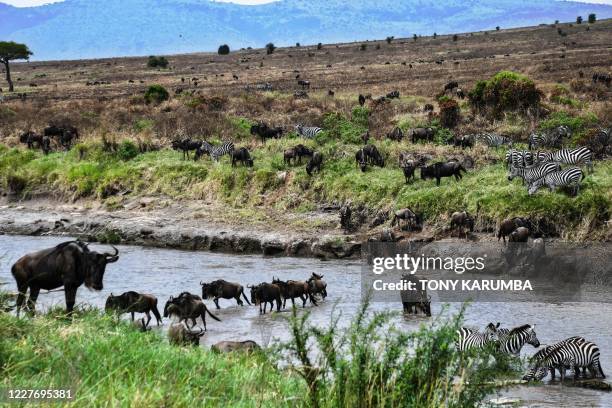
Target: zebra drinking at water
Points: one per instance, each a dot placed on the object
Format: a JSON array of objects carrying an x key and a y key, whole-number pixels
[
  {"x": 511, "y": 342},
  {"x": 574, "y": 355},
  {"x": 568, "y": 156},
  {"x": 531, "y": 174},
  {"x": 215, "y": 151},
  {"x": 468, "y": 338},
  {"x": 307, "y": 132},
  {"x": 568, "y": 177},
  {"x": 539, "y": 373}
]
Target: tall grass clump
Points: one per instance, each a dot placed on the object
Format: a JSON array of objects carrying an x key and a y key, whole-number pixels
[{"x": 371, "y": 364}]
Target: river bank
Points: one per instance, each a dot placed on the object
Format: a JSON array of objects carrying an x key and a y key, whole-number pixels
[{"x": 162, "y": 223}]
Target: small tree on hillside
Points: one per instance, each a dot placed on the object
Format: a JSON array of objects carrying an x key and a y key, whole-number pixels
[
  {"x": 592, "y": 18},
  {"x": 10, "y": 51},
  {"x": 497, "y": 28},
  {"x": 390, "y": 39},
  {"x": 579, "y": 20},
  {"x": 455, "y": 37},
  {"x": 223, "y": 49},
  {"x": 270, "y": 48},
  {"x": 435, "y": 35},
  {"x": 414, "y": 37}
]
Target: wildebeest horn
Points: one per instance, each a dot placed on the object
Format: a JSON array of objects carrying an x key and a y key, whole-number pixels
[
  {"x": 171, "y": 298},
  {"x": 113, "y": 255},
  {"x": 201, "y": 284}
]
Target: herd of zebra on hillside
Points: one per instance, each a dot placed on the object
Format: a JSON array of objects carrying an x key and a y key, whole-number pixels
[{"x": 575, "y": 353}]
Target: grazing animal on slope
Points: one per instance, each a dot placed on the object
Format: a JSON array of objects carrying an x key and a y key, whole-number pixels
[
  {"x": 462, "y": 219},
  {"x": 241, "y": 155},
  {"x": 440, "y": 170},
  {"x": 307, "y": 132},
  {"x": 314, "y": 163},
  {"x": 411, "y": 219},
  {"x": 570, "y": 177}
]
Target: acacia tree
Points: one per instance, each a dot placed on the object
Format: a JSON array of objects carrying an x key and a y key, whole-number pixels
[{"x": 10, "y": 51}]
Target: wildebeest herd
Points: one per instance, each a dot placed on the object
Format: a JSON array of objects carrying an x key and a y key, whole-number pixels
[
  {"x": 71, "y": 264},
  {"x": 58, "y": 136},
  {"x": 574, "y": 353}
]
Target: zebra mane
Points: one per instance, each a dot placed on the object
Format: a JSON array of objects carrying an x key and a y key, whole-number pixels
[{"x": 518, "y": 329}]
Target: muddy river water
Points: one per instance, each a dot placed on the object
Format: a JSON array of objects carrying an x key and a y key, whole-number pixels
[{"x": 168, "y": 272}]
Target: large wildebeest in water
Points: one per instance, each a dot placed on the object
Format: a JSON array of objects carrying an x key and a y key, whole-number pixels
[
  {"x": 69, "y": 264},
  {"x": 187, "y": 306},
  {"x": 265, "y": 293},
  {"x": 317, "y": 285},
  {"x": 223, "y": 289},
  {"x": 134, "y": 302}
]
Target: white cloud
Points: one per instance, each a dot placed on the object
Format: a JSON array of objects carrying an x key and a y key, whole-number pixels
[
  {"x": 250, "y": 2},
  {"x": 28, "y": 3}
]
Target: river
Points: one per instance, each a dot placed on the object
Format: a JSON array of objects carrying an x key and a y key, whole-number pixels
[{"x": 164, "y": 272}]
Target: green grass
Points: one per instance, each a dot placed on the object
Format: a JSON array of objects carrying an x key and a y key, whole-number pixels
[{"x": 112, "y": 364}]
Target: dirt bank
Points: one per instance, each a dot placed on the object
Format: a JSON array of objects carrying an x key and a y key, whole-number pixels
[{"x": 162, "y": 223}]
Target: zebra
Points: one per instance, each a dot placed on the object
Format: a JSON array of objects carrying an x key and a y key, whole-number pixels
[
  {"x": 512, "y": 341},
  {"x": 567, "y": 177},
  {"x": 307, "y": 132},
  {"x": 574, "y": 355},
  {"x": 569, "y": 156},
  {"x": 493, "y": 140},
  {"x": 538, "y": 374},
  {"x": 519, "y": 158},
  {"x": 531, "y": 174},
  {"x": 468, "y": 338},
  {"x": 215, "y": 152},
  {"x": 553, "y": 138}
]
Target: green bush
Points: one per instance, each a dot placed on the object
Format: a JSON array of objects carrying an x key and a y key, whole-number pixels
[
  {"x": 270, "y": 48},
  {"x": 505, "y": 91},
  {"x": 592, "y": 18},
  {"x": 127, "y": 150},
  {"x": 223, "y": 49},
  {"x": 157, "y": 62},
  {"x": 156, "y": 94}
]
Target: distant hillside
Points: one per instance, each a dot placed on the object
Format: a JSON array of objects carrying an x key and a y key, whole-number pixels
[{"x": 103, "y": 28}]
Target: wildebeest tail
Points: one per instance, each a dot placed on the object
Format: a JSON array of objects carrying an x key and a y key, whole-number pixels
[
  {"x": 212, "y": 315},
  {"x": 245, "y": 296}
]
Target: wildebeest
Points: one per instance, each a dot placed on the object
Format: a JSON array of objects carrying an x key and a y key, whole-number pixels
[
  {"x": 408, "y": 168},
  {"x": 462, "y": 219},
  {"x": 396, "y": 134},
  {"x": 69, "y": 264},
  {"x": 440, "y": 169},
  {"x": 411, "y": 219},
  {"x": 179, "y": 334},
  {"x": 223, "y": 289},
  {"x": 314, "y": 163},
  {"x": 186, "y": 145},
  {"x": 241, "y": 155},
  {"x": 266, "y": 132},
  {"x": 451, "y": 85},
  {"x": 460, "y": 94},
  {"x": 317, "y": 285},
  {"x": 292, "y": 289},
  {"x": 603, "y": 78},
  {"x": 134, "y": 302},
  {"x": 428, "y": 107},
  {"x": 463, "y": 141},
  {"x": 373, "y": 156},
  {"x": 187, "y": 306},
  {"x": 393, "y": 94},
  {"x": 365, "y": 137},
  {"x": 362, "y": 100},
  {"x": 521, "y": 234},
  {"x": 248, "y": 346},
  {"x": 266, "y": 293},
  {"x": 415, "y": 301},
  {"x": 302, "y": 151},
  {"x": 417, "y": 134},
  {"x": 30, "y": 138},
  {"x": 361, "y": 160},
  {"x": 46, "y": 144},
  {"x": 304, "y": 84},
  {"x": 509, "y": 225}
]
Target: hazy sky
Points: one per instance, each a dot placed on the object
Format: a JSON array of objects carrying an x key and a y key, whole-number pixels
[{"x": 26, "y": 3}]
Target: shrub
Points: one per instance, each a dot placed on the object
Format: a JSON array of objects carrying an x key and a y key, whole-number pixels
[
  {"x": 579, "y": 20},
  {"x": 156, "y": 93},
  {"x": 157, "y": 62},
  {"x": 449, "y": 113},
  {"x": 497, "y": 28},
  {"x": 297, "y": 44},
  {"x": 223, "y": 49},
  {"x": 414, "y": 37},
  {"x": 363, "y": 47},
  {"x": 389, "y": 39},
  {"x": 455, "y": 37},
  {"x": 127, "y": 150},
  {"x": 319, "y": 46},
  {"x": 592, "y": 18},
  {"x": 435, "y": 35},
  {"x": 505, "y": 91},
  {"x": 270, "y": 48}
]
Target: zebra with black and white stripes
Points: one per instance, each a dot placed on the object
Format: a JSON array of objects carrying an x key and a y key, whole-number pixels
[
  {"x": 215, "y": 152},
  {"x": 519, "y": 158},
  {"x": 553, "y": 138},
  {"x": 533, "y": 173},
  {"x": 574, "y": 355},
  {"x": 493, "y": 140},
  {"x": 569, "y": 156},
  {"x": 511, "y": 342},
  {"x": 307, "y": 131},
  {"x": 468, "y": 338},
  {"x": 538, "y": 373},
  {"x": 570, "y": 177}
]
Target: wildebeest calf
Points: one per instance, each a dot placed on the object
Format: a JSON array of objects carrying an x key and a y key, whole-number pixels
[
  {"x": 188, "y": 306},
  {"x": 134, "y": 302},
  {"x": 179, "y": 334},
  {"x": 241, "y": 155},
  {"x": 248, "y": 346}
]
